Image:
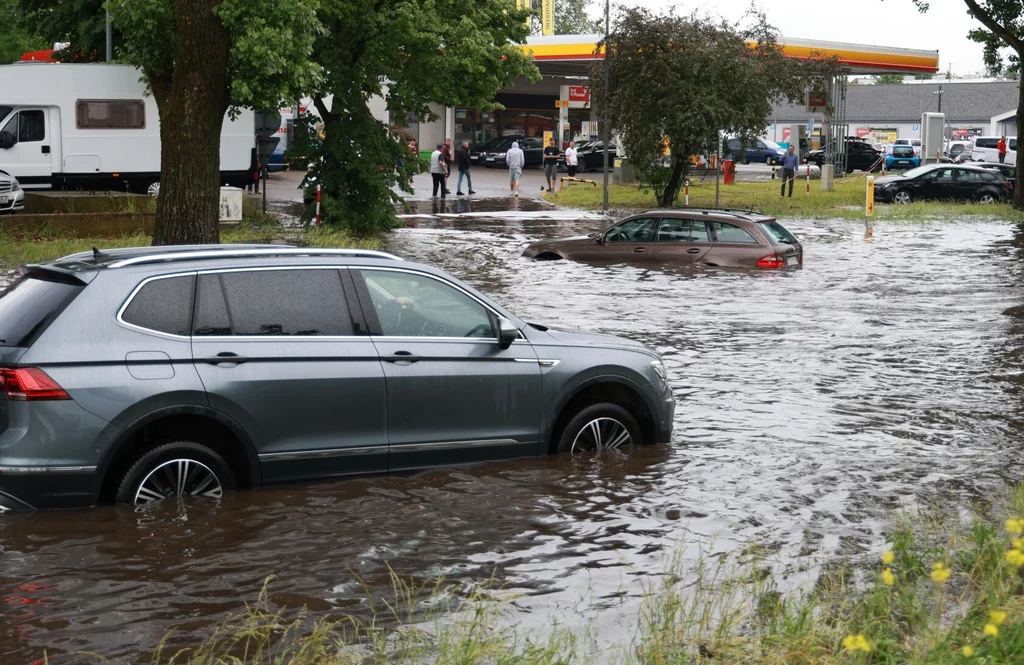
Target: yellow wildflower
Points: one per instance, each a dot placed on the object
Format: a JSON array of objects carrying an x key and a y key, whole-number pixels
[
  {"x": 991, "y": 630},
  {"x": 888, "y": 557},
  {"x": 888, "y": 577},
  {"x": 939, "y": 572},
  {"x": 1018, "y": 543},
  {"x": 1016, "y": 557},
  {"x": 997, "y": 617},
  {"x": 1015, "y": 526},
  {"x": 967, "y": 651},
  {"x": 857, "y": 643}
]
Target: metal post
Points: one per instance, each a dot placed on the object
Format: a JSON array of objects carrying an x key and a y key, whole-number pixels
[
  {"x": 607, "y": 93},
  {"x": 718, "y": 162},
  {"x": 110, "y": 39}
]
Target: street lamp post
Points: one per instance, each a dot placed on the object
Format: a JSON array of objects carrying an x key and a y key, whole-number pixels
[{"x": 607, "y": 92}]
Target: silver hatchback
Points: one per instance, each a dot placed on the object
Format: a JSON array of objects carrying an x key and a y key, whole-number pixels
[{"x": 138, "y": 375}]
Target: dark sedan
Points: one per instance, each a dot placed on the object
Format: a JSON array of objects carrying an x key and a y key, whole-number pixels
[
  {"x": 722, "y": 238},
  {"x": 943, "y": 182},
  {"x": 478, "y": 152},
  {"x": 860, "y": 156},
  {"x": 532, "y": 147}
]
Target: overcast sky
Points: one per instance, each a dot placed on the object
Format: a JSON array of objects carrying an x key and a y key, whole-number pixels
[{"x": 876, "y": 22}]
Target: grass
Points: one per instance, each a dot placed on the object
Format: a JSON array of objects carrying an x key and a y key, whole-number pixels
[
  {"x": 845, "y": 202},
  {"x": 948, "y": 589},
  {"x": 255, "y": 227}
]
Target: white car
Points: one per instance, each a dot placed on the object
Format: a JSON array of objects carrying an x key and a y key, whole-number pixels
[
  {"x": 12, "y": 196},
  {"x": 986, "y": 150}
]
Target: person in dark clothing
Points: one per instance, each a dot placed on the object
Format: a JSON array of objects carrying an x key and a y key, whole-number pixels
[
  {"x": 462, "y": 159},
  {"x": 790, "y": 164},
  {"x": 449, "y": 159},
  {"x": 551, "y": 155}
]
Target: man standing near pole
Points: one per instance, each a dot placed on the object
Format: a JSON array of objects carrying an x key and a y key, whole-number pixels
[
  {"x": 790, "y": 163},
  {"x": 571, "y": 159}
]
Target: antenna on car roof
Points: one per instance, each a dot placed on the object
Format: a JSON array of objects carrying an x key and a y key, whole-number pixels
[{"x": 98, "y": 255}]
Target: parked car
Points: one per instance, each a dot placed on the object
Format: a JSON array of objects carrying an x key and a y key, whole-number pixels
[
  {"x": 136, "y": 375},
  {"x": 902, "y": 157},
  {"x": 762, "y": 151},
  {"x": 532, "y": 147},
  {"x": 1007, "y": 171},
  {"x": 954, "y": 148},
  {"x": 913, "y": 143},
  {"x": 723, "y": 238},
  {"x": 986, "y": 149},
  {"x": 590, "y": 156},
  {"x": 943, "y": 182},
  {"x": 965, "y": 156},
  {"x": 477, "y": 153},
  {"x": 860, "y": 156},
  {"x": 12, "y": 196}
]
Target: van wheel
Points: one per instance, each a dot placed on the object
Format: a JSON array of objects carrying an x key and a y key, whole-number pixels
[
  {"x": 175, "y": 470},
  {"x": 153, "y": 188},
  {"x": 599, "y": 427}
]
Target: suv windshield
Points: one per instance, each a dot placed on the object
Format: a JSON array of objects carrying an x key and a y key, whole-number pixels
[
  {"x": 29, "y": 305},
  {"x": 778, "y": 232}
]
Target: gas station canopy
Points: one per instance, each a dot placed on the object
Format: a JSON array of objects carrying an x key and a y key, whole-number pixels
[{"x": 570, "y": 55}]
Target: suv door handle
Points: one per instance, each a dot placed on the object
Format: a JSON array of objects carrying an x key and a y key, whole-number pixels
[
  {"x": 402, "y": 358},
  {"x": 226, "y": 358},
  {"x": 693, "y": 250},
  {"x": 639, "y": 249}
]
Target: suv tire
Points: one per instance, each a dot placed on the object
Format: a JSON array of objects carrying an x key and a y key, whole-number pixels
[
  {"x": 173, "y": 470},
  {"x": 602, "y": 426}
]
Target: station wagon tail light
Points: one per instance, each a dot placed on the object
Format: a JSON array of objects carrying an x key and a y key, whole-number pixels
[
  {"x": 29, "y": 384},
  {"x": 771, "y": 261}
]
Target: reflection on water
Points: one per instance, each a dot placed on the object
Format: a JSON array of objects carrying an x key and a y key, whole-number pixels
[{"x": 810, "y": 403}]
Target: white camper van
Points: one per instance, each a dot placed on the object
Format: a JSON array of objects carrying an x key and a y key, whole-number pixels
[{"x": 91, "y": 126}]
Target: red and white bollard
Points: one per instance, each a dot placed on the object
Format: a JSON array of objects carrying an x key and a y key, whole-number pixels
[
  {"x": 687, "y": 190},
  {"x": 319, "y": 196},
  {"x": 808, "y": 178}
]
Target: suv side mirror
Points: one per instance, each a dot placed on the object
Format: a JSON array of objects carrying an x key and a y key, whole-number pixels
[
  {"x": 507, "y": 333},
  {"x": 7, "y": 140}
]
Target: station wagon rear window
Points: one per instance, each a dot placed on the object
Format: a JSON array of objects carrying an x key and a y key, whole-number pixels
[{"x": 31, "y": 304}]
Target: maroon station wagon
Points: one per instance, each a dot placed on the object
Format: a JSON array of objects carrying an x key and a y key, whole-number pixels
[{"x": 722, "y": 238}]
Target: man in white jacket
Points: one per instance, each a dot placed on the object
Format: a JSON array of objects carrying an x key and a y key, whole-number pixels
[{"x": 516, "y": 160}]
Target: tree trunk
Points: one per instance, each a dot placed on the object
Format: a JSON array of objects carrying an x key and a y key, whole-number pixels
[
  {"x": 191, "y": 105},
  {"x": 675, "y": 181}
]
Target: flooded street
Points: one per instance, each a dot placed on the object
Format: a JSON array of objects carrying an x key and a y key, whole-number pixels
[{"x": 809, "y": 405}]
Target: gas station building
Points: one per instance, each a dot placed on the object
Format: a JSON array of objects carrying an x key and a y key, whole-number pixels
[{"x": 559, "y": 102}]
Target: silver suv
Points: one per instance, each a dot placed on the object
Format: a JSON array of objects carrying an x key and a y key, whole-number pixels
[{"x": 141, "y": 374}]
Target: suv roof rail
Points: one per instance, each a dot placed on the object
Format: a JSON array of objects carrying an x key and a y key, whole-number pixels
[{"x": 197, "y": 255}]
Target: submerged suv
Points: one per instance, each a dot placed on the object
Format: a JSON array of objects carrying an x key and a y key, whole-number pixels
[{"x": 137, "y": 375}]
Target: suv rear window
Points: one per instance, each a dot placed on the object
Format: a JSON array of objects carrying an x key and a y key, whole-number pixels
[
  {"x": 31, "y": 304},
  {"x": 163, "y": 305}
]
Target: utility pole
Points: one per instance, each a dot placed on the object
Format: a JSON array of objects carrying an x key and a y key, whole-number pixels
[
  {"x": 607, "y": 93},
  {"x": 110, "y": 39}
]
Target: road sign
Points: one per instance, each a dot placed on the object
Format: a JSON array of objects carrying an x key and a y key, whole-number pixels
[{"x": 561, "y": 103}]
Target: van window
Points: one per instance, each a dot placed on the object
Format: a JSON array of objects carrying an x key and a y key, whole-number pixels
[
  {"x": 1011, "y": 144},
  {"x": 110, "y": 114},
  {"x": 986, "y": 143},
  {"x": 4, "y": 112},
  {"x": 32, "y": 126}
]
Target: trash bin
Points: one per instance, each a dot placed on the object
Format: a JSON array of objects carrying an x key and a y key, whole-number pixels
[{"x": 730, "y": 172}]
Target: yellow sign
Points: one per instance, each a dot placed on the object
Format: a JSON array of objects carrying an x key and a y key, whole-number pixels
[
  {"x": 561, "y": 103},
  {"x": 869, "y": 201},
  {"x": 547, "y": 17},
  {"x": 549, "y": 136},
  {"x": 666, "y": 146}
]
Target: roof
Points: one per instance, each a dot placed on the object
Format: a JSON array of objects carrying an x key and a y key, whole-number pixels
[{"x": 961, "y": 102}]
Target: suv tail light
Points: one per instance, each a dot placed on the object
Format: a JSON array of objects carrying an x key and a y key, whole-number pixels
[
  {"x": 771, "y": 261},
  {"x": 29, "y": 384}
]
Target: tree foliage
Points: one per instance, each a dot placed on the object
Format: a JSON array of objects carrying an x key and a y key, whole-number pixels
[
  {"x": 889, "y": 79},
  {"x": 685, "y": 79},
  {"x": 20, "y": 33},
  {"x": 410, "y": 53}
]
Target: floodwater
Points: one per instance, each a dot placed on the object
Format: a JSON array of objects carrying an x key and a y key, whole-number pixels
[{"x": 810, "y": 404}]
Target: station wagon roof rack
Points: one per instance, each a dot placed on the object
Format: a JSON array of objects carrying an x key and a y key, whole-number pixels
[
  {"x": 732, "y": 212},
  {"x": 227, "y": 252}
]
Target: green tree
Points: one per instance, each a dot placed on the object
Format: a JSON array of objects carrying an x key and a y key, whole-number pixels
[
  {"x": 889, "y": 79},
  {"x": 572, "y": 18},
  {"x": 410, "y": 53},
  {"x": 685, "y": 79},
  {"x": 81, "y": 22},
  {"x": 20, "y": 33},
  {"x": 201, "y": 58}
]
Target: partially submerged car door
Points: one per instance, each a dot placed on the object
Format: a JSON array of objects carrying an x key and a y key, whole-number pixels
[
  {"x": 628, "y": 242},
  {"x": 680, "y": 241}
]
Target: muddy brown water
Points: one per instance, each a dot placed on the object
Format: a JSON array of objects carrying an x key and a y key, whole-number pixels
[{"x": 810, "y": 404}]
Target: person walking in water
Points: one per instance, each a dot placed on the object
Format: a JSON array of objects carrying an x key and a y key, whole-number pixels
[
  {"x": 516, "y": 160},
  {"x": 462, "y": 159},
  {"x": 438, "y": 170},
  {"x": 790, "y": 164}
]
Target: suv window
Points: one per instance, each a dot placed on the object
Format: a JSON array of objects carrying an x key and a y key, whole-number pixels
[
  {"x": 31, "y": 304},
  {"x": 272, "y": 303},
  {"x": 732, "y": 233},
  {"x": 415, "y": 305},
  {"x": 163, "y": 305},
  {"x": 682, "y": 230},
  {"x": 635, "y": 230}
]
